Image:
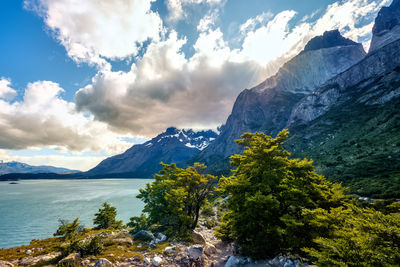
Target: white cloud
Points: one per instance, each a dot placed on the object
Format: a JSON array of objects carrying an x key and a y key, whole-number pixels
[
  {"x": 176, "y": 7},
  {"x": 164, "y": 88},
  {"x": 92, "y": 30},
  {"x": 43, "y": 119},
  {"x": 6, "y": 92}
]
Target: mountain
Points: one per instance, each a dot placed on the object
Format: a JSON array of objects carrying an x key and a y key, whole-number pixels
[
  {"x": 268, "y": 106},
  {"x": 172, "y": 146},
  {"x": 19, "y": 167},
  {"x": 387, "y": 26},
  {"x": 350, "y": 126}
]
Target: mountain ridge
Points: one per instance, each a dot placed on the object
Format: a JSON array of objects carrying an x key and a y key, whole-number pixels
[
  {"x": 143, "y": 160},
  {"x": 20, "y": 167}
]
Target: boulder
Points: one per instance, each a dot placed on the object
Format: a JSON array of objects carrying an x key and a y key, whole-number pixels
[
  {"x": 209, "y": 249},
  {"x": 169, "y": 250},
  {"x": 6, "y": 264},
  {"x": 103, "y": 263},
  {"x": 161, "y": 237},
  {"x": 70, "y": 258},
  {"x": 195, "y": 252},
  {"x": 126, "y": 240},
  {"x": 147, "y": 261},
  {"x": 157, "y": 261},
  {"x": 198, "y": 238},
  {"x": 28, "y": 252},
  {"x": 233, "y": 262},
  {"x": 33, "y": 260},
  {"x": 143, "y": 235}
]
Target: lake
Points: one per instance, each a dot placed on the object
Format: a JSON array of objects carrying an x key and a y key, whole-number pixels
[{"x": 31, "y": 209}]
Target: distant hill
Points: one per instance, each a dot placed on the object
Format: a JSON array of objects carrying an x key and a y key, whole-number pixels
[{"x": 19, "y": 167}]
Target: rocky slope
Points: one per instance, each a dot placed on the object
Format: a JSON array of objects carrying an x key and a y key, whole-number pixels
[
  {"x": 267, "y": 107},
  {"x": 387, "y": 26},
  {"x": 350, "y": 126},
  {"x": 172, "y": 146},
  {"x": 19, "y": 167}
]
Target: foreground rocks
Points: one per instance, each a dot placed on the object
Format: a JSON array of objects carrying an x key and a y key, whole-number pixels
[{"x": 6, "y": 264}]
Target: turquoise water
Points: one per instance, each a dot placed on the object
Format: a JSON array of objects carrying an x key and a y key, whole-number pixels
[{"x": 31, "y": 209}]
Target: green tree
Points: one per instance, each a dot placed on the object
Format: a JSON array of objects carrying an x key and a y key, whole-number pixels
[
  {"x": 354, "y": 236},
  {"x": 266, "y": 196},
  {"x": 173, "y": 201},
  {"x": 105, "y": 218},
  {"x": 69, "y": 230}
]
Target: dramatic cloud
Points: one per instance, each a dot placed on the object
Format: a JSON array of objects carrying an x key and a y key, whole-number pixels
[
  {"x": 93, "y": 29},
  {"x": 44, "y": 119},
  {"x": 6, "y": 92},
  {"x": 165, "y": 88}
]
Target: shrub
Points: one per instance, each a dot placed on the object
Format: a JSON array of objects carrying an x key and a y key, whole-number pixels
[
  {"x": 138, "y": 223},
  {"x": 69, "y": 230},
  {"x": 105, "y": 218},
  {"x": 354, "y": 236}
]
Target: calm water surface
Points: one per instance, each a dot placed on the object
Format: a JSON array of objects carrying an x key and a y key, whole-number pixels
[{"x": 31, "y": 209}]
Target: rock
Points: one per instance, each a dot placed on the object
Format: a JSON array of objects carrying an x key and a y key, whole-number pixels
[
  {"x": 233, "y": 261},
  {"x": 33, "y": 260},
  {"x": 169, "y": 250},
  {"x": 147, "y": 261},
  {"x": 143, "y": 235},
  {"x": 103, "y": 263},
  {"x": 161, "y": 237},
  {"x": 28, "y": 252},
  {"x": 209, "y": 249},
  {"x": 126, "y": 240},
  {"x": 70, "y": 258},
  {"x": 198, "y": 238},
  {"x": 157, "y": 261},
  {"x": 195, "y": 252},
  {"x": 6, "y": 264}
]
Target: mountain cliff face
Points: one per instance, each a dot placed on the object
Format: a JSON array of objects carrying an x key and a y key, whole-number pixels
[
  {"x": 142, "y": 161},
  {"x": 19, "y": 167},
  {"x": 387, "y": 26},
  {"x": 267, "y": 107}
]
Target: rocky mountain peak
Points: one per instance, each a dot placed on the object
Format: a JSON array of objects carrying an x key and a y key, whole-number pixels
[
  {"x": 328, "y": 39},
  {"x": 387, "y": 26}
]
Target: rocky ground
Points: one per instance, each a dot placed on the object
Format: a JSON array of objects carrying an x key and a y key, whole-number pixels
[{"x": 122, "y": 249}]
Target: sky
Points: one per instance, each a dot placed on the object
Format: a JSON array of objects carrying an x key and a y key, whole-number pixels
[{"x": 81, "y": 80}]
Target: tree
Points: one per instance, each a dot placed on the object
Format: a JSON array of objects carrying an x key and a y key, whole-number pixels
[
  {"x": 354, "y": 236},
  {"x": 266, "y": 196},
  {"x": 105, "y": 218},
  {"x": 69, "y": 230},
  {"x": 173, "y": 201}
]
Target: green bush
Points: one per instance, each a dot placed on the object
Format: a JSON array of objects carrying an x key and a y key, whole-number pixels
[
  {"x": 93, "y": 247},
  {"x": 173, "y": 201},
  {"x": 105, "y": 218},
  {"x": 266, "y": 196},
  {"x": 138, "y": 223},
  {"x": 69, "y": 230},
  {"x": 354, "y": 236}
]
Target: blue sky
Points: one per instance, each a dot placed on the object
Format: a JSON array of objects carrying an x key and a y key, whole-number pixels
[{"x": 82, "y": 80}]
